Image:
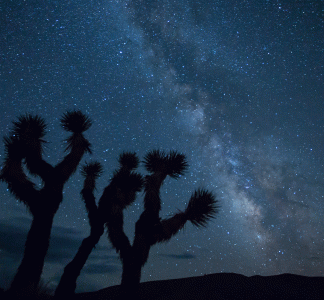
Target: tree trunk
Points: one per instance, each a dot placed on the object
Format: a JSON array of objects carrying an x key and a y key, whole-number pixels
[
  {"x": 131, "y": 278},
  {"x": 132, "y": 266},
  {"x": 29, "y": 272},
  {"x": 67, "y": 284}
]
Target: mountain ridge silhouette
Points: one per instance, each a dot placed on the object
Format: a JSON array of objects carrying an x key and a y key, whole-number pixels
[{"x": 223, "y": 286}]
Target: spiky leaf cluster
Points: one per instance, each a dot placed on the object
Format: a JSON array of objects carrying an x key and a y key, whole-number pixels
[
  {"x": 13, "y": 148},
  {"x": 173, "y": 164},
  {"x": 75, "y": 121},
  {"x": 29, "y": 127},
  {"x": 93, "y": 169},
  {"x": 128, "y": 181},
  {"x": 78, "y": 141},
  {"x": 122, "y": 190},
  {"x": 128, "y": 160},
  {"x": 177, "y": 164},
  {"x": 201, "y": 208}
]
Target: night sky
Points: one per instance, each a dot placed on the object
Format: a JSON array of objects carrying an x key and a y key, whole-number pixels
[{"x": 237, "y": 86}]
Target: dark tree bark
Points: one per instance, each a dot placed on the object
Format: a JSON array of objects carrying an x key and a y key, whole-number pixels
[
  {"x": 67, "y": 284},
  {"x": 150, "y": 229},
  {"x": 30, "y": 269},
  {"x": 121, "y": 189},
  {"x": 24, "y": 146}
]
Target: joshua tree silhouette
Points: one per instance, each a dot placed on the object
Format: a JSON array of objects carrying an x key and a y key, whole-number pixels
[
  {"x": 24, "y": 146},
  {"x": 150, "y": 229},
  {"x": 121, "y": 189}
]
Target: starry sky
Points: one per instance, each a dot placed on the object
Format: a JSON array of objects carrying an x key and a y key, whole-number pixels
[{"x": 237, "y": 86}]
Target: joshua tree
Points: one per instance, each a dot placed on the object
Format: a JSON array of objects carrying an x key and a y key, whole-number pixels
[
  {"x": 150, "y": 229},
  {"x": 122, "y": 189},
  {"x": 24, "y": 146}
]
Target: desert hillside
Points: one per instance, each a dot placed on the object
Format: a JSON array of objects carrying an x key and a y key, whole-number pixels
[{"x": 223, "y": 286}]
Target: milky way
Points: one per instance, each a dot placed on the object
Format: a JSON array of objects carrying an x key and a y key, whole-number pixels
[
  {"x": 260, "y": 177},
  {"x": 235, "y": 85}
]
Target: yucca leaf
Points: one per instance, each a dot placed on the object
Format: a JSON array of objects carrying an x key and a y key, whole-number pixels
[
  {"x": 29, "y": 127},
  {"x": 78, "y": 141},
  {"x": 128, "y": 160},
  {"x": 154, "y": 160},
  {"x": 176, "y": 164},
  {"x": 13, "y": 147},
  {"x": 75, "y": 121},
  {"x": 93, "y": 169},
  {"x": 173, "y": 164},
  {"x": 201, "y": 208},
  {"x": 128, "y": 181}
]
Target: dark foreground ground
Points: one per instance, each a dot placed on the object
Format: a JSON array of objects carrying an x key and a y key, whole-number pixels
[
  {"x": 223, "y": 286},
  {"x": 217, "y": 286}
]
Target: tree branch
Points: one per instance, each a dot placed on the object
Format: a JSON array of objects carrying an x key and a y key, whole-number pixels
[{"x": 13, "y": 174}]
